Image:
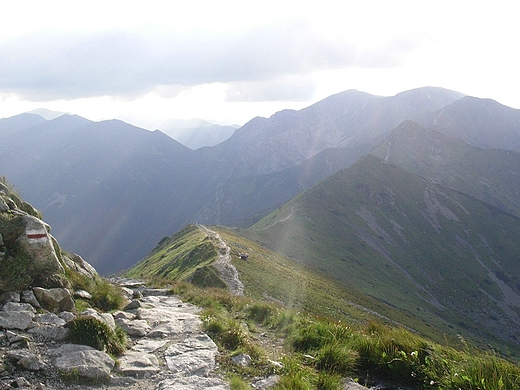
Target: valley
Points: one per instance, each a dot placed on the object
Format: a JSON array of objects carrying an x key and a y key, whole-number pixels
[{"x": 406, "y": 207}]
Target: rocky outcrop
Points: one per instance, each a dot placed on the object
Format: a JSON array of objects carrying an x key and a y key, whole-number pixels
[{"x": 29, "y": 255}]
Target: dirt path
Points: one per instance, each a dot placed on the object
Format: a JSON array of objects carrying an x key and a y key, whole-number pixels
[{"x": 226, "y": 270}]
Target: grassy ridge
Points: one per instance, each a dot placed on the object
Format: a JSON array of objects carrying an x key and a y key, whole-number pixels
[
  {"x": 316, "y": 353},
  {"x": 428, "y": 252},
  {"x": 186, "y": 255}
]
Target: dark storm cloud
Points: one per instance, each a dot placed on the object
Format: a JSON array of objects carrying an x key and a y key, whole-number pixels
[{"x": 54, "y": 65}]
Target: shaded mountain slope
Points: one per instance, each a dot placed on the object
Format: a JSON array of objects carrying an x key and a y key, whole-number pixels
[
  {"x": 479, "y": 122},
  {"x": 426, "y": 250},
  {"x": 490, "y": 175}
]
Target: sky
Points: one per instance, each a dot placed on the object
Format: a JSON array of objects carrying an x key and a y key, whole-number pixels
[{"x": 147, "y": 62}]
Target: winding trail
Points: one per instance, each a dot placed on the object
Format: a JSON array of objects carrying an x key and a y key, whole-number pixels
[{"x": 226, "y": 270}]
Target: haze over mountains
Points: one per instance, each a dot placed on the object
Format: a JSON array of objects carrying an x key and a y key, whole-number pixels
[{"x": 111, "y": 190}]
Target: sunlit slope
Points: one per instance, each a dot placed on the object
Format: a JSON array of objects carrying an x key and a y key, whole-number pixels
[
  {"x": 430, "y": 252},
  {"x": 185, "y": 256},
  {"x": 189, "y": 255}
]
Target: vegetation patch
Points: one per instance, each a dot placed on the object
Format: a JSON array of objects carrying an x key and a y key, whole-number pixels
[{"x": 95, "y": 333}]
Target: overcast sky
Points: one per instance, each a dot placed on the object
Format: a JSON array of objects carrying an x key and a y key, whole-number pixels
[{"x": 229, "y": 61}]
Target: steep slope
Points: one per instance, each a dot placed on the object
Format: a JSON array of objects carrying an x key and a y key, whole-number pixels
[
  {"x": 488, "y": 175},
  {"x": 349, "y": 119},
  {"x": 426, "y": 250},
  {"x": 103, "y": 185},
  {"x": 479, "y": 122}
]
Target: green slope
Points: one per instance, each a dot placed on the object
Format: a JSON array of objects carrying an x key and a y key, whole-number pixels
[{"x": 429, "y": 252}]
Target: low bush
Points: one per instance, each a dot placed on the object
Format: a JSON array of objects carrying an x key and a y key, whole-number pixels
[{"x": 95, "y": 333}]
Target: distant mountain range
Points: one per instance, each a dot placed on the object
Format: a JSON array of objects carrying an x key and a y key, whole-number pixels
[{"x": 111, "y": 190}]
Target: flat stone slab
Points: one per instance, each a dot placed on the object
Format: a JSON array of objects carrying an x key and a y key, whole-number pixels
[
  {"x": 193, "y": 356},
  {"x": 83, "y": 361},
  {"x": 193, "y": 383},
  {"x": 138, "y": 364},
  {"x": 16, "y": 319}
]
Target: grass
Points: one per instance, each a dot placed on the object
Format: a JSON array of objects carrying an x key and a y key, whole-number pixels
[
  {"x": 95, "y": 333},
  {"x": 317, "y": 352}
]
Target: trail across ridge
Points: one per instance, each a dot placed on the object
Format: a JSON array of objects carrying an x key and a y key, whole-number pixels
[{"x": 226, "y": 270}]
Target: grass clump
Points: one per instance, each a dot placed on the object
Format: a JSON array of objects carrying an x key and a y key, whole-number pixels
[
  {"x": 95, "y": 333},
  {"x": 107, "y": 296}
]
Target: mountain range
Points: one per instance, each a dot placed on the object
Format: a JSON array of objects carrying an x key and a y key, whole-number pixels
[{"x": 111, "y": 190}]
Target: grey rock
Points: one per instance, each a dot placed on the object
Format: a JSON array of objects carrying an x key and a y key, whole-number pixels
[
  {"x": 21, "y": 382},
  {"x": 123, "y": 314},
  {"x": 193, "y": 383},
  {"x": 26, "y": 360},
  {"x": 82, "y": 294},
  {"x": 29, "y": 297},
  {"x": 193, "y": 356},
  {"x": 66, "y": 316},
  {"x": 137, "y": 328},
  {"x": 51, "y": 332},
  {"x": 138, "y": 364},
  {"x": 83, "y": 361},
  {"x": 9, "y": 296},
  {"x": 349, "y": 384},
  {"x": 242, "y": 359},
  {"x": 49, "y": 319},
  {"x": 21, "y": 320},
  {"x": 267, "y": 383},
  {"x": 105, "y": 317},
  {"x": 54, "y": 299},
  {"x": 12, "y": 306},
  {"x": 135, "y": 304}
]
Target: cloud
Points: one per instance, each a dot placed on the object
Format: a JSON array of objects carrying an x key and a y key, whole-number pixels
[{"x": 51, "y": 65}]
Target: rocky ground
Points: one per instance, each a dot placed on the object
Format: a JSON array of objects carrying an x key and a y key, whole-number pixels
[{"x": 168, "y": 351}]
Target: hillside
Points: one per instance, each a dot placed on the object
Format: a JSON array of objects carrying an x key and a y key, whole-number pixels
[
  {"x": 489, "y": 175},
  {"x": 111, "y": 190},
  {"x": 421, "y": 248}
]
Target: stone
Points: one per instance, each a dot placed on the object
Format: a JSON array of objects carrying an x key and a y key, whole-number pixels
[
  {"x": 82, "y": 294},
  {"x": 54, "y": 299},
  {"x": 21, "y": 320},
  {"x": 51, "y": 332},
  {"x": 104, "y": 317},
  {"x": 267, "y": 383},
  {"x": 9, "y": 296},
  {"x": 49, "y": 319},
  {"x": 12, "y": 306},
  {"x": 135, "y": 304},
  {"x": 123, "y": 314},
  {"x": 79, "y": 265},
  {"x": 36, "y": 242},
  {"x": 242, "y": 359},
  {"x": 138, "y": 364},
  {"x": 349, "y": 384},
  {"x": 83, "y": 361},
  {"x": 193, "y": 383},
  {"x": 21, "y": 382},
  {"x": 26, "y": 360},
  {"x": 194, "y": 356},
  {"x": 66, "y": 316},
  {"x": 136, "y": 328},
  {"x": 28, "y": 296}
]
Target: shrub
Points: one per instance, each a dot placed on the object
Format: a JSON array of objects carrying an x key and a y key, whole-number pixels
[
  {"x": 107, "y": 297},
  {"x": 336, "y": 358},
  {"x": 95, "y": 333}
]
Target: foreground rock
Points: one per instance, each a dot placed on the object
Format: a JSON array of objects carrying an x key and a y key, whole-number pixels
[{"x": 168, "y": 349}]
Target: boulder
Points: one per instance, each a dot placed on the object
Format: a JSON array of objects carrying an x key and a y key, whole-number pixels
[
  {"x": 9, "y": 296},
  {"x": 104, "y": 317},
  {"x": 21, "y": 320},
  {"x": 36, "y": 243},
  {"x": 26, "y": 360},
  {"x": 29, "y": 297},
  {"x": 54, "y": 299},
  {"x": 83, "y": 361},
  {"x": 82, "y": 294},
  {"x": 136, "y": 328}
]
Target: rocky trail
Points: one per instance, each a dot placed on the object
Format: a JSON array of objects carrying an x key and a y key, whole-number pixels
[
  {"x": 227, "y": 271},
  {"x": 168, "y": 351}
]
